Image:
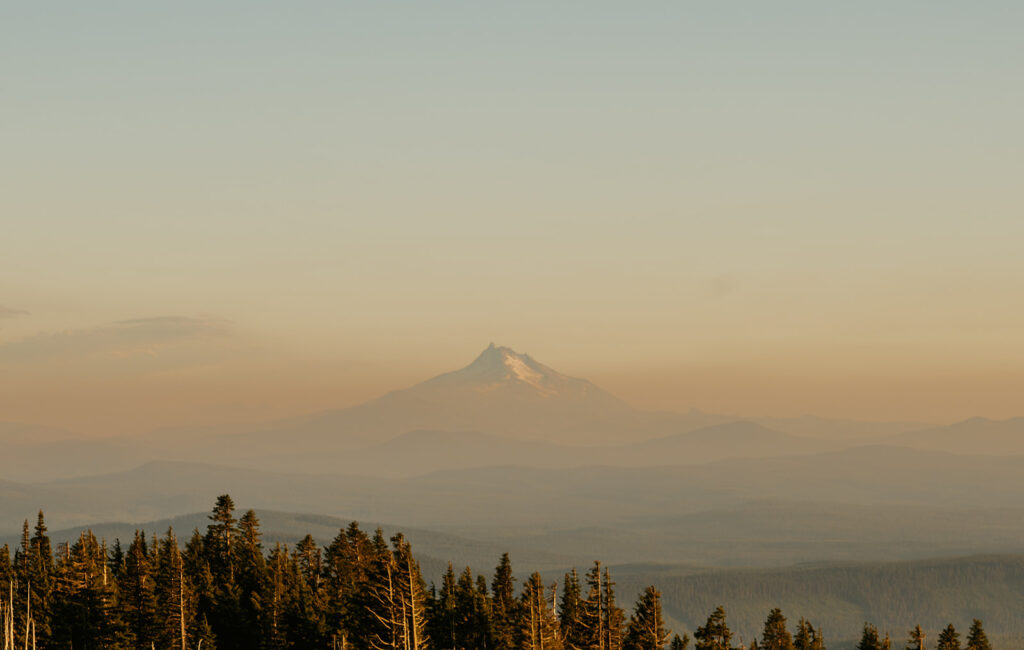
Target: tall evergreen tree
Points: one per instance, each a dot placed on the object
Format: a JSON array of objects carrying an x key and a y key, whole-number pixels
[
  {"x": 869, "y": 639},
  {"x": 775, "y": 635},
  {"x": 87, "y": 614},
  {"x": 219, "y": 542},
  {"x": 275, "y": 600},
  {"x": 714, "y": 634},
  {"x": 442, "y": 611},
  {"x": 916, "y": 640},
  {"x": 412, "y": 591},
  {"x": 250, "y": 572},
  {"x": 614, "y": 617},
  {"x": 224, "y": 612},
  {"x": 504, "y": 606},
  {"x": 175, "y": 602},
  {"x": 398, "y": 604},
  {"x": 199, "y": 577},
  {"x": 646, "y": 629},
  {"x": 679, "y": 643},
  {"x": 949, "y": 639},
  {"x": 370, "y": 601},
  {"x": 601, "y": 617},
  {"x": 137, "y": 591},
  {"x": 976, "y": 637},
  {"x": 6, "y": 570},
  {"x": 43, "y": 574},
  {"x": 306, "y": 620},
  {"x": 538, "y": 627},
  {"x": 484, "y": 634},
  {"x": 347, "y": 562},
  {"x": 804, "y": 638},
  {"x": 570, "y": 611},
  {"x": 472, "y": 613}
]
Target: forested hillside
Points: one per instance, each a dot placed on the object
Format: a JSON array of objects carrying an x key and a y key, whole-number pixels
[
  {"x": 223, "y": 589},
  {"x": 840, "y": 598}
]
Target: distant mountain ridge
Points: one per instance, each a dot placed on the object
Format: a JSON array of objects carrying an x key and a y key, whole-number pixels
[
  {"x": 975, "y": 436},
  {"x": 503, "y": 407}
]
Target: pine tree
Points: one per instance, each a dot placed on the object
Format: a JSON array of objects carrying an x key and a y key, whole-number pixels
[
  {"x": 369, "y": 603},
  {"x": 472, "y": 612},
  {"x": 714, "y": 634},
  {"x": 275, "y": 600},
  {"x": 84, "y": 599},
  {"x": 484, "y": 630},
  {"x": 614, "y": 617},
  {"x": 504, "y": 607},
  {"x": 949, "y": 639},
  {"x": 593, "y": 609},
  {"x": 306, "y": 622},
  {"x": 804, "y": 639},
  {"x": 916, "y": 640},
  {"x": 869, "y": 639},
  {"x": 538, "y": 627},
  {"x": 224, "y": 612},
  {"x": 412, "y": 592},
  {"x": 398, "y": 600},
  {"x": 775, "y": 635},
  {"x": 442, "y": 611},
  {"x": 42, "y": 580},
  {"x": 220, "y": 539},
  {"x": 6, "y": 570},
  {"x": 175, "y": 602},
  {"x": 679, "y": 643},
  {"x": 646, "y": 629},
  {"x": 250, "y": 572},
  {"x": 346, "y": 565},
  {"x": 137, "y": 592},
  {"x": 976, "y": 638},
  {"x": 199, "y": 577},
  {"x": 34, "y": 574},
  {"x": 574, "y": 632}
]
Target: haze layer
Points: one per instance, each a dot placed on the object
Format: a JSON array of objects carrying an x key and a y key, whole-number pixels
[{"x": 760, "y": 210}]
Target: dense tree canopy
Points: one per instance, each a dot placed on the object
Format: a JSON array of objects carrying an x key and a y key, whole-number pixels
[{"x": 223, "y": 590}]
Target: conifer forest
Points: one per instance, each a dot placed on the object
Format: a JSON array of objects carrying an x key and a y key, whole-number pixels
[{"x": 221, "y": 589}]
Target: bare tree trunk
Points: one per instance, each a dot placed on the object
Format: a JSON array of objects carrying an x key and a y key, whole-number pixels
[
  {"x": 415, "y": 613},
  {"x": 181, "y": 605},
  {"x": 28, "y": 612}
]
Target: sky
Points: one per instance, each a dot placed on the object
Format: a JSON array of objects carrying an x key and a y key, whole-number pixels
[{"x": 227, "y": 212}]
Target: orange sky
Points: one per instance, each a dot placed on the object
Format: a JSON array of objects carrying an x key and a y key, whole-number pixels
[{"x": 770, "y": 211}]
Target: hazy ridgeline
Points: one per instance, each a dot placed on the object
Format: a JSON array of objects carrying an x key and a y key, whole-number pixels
[
  {"x": 838, "y": 522},
  {"x": 223, "y": 589}
]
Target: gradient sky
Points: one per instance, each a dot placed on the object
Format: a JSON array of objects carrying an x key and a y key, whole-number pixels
[{"x": 221, "y": 212}]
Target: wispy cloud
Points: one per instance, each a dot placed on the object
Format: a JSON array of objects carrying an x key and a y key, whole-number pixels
[
  {"x": 7, "y": 312},
  {"x": 174, "y": 338}
]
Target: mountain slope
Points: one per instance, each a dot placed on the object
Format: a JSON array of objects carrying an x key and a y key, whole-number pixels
[
  {"x": 974, "y": 436},
  {"x": 894, "y": 596},
  {"x": 740, "y": 439},
  {"x": 501, "y": 392}
]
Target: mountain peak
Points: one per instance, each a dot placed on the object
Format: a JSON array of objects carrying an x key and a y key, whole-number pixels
[{"x": 501, "y": 364}]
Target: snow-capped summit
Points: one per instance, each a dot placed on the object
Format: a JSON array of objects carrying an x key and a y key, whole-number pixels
[
  {"x": 502, "y": 392},
  {"x": 502, "y": 372},
  {"x": 497, "y": 366}
]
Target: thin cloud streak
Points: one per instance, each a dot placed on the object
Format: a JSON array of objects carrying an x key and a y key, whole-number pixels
[
  {"x": 134, "y": 337},
  {"x": 7, "y": 312}
]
